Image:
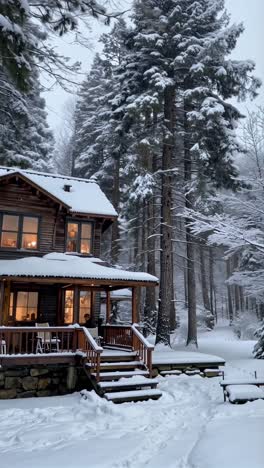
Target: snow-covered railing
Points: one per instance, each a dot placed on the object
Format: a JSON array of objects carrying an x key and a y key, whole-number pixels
[
  {"x": 142, "y": 347},
  {"x": 129, "y": 336},
  {"x": 92, "y": 351},
  {"x": 39, "y": 341}
]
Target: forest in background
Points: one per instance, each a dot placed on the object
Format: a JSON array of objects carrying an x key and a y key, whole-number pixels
[{"x": 155, "y": 122}]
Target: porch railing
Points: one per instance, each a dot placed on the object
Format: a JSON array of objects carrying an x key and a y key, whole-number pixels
[
  {"x": 118, "y": 335},
  {"x": 142, "y": 347},
  {"x": 28, "y": 341},
  {"x": 130, "y": 337}
]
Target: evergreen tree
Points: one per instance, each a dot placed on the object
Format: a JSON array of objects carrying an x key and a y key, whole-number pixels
[
  {"x": 180, "y": 50},
  {"x": 101, "y": 142}
]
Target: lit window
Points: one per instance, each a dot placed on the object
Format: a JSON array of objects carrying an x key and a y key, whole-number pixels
[
  {"x": 72, "y": 237},
  {"x": 85, "y": 306},
  {"x": 86, "y": 236},
  {"x": 30, "y": 233},
  {"x": 68, "y": 307},
  {"x": 79, "y": 237},
  {"x": 9, "y": 235},
  {"x": 26, "y": 306},
  {"x": 19, "y": 232}
]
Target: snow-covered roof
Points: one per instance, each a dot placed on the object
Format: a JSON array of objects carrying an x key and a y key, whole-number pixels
[
  {"x": 56, "y": 265},
  {"x": 119, "y": 294},
  {"x": 84, "y": 197}
]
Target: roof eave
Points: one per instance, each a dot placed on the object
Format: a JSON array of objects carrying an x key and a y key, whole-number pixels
[
  {"x": 80, "y": 280},
  {"x": 36, "y": 186}
]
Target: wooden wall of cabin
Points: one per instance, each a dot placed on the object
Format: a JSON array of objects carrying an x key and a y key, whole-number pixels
[{"x": 20, "y": 198}]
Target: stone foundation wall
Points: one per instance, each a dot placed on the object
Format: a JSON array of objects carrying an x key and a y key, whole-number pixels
[{"x": 41, "y": 381}]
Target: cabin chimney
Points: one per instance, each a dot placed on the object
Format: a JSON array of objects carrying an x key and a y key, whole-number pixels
[{"x": 67, "y": 188}]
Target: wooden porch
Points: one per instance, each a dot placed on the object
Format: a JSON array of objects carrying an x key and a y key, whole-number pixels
[{"x": 127, "y": 354}]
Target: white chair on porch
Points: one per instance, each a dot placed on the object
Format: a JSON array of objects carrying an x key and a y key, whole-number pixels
[
  {"x": 45, "y": 342},
  {"x": 2, "y": 346},
  {"x": 95, "y": 334}
]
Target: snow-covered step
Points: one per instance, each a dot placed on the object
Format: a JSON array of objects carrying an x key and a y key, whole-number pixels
[
  {"x": 118, "y": 357},
  {"x": 137, "y": 395},
  {"x": 120, "y": 374},
  {"x": 129, "y": 383},
  {"x": 120, "y": 365}
]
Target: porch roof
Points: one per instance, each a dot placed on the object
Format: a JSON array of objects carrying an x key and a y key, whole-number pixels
[{"x": 70, "y": 267}]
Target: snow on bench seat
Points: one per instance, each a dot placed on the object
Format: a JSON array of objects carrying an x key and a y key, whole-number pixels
[
  {"x": 238, "y": 393},
  {"x": 241, "y": 381}
]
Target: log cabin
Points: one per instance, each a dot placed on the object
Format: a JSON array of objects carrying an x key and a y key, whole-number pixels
[{"x": 51, "y": 275}]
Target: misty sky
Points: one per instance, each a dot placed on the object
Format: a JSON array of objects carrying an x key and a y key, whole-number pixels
[{"x": 250, "y": 44}]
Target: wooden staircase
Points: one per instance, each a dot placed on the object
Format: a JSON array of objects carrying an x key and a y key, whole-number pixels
[{"x": 123, "y": 378}]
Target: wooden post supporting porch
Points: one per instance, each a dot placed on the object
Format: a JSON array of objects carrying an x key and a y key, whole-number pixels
[
  {"x": 2, "y": 300},
  {"x": 134, "y": 306},
  {"x": 108, "y": 306}
]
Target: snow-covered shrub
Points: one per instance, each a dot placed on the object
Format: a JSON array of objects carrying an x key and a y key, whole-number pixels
[
  {"x": 259, "y": 347},
  {"x": 245, "y": 326}
]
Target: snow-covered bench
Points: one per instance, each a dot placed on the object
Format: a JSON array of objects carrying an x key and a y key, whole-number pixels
[{"x": 243, "y": 390}]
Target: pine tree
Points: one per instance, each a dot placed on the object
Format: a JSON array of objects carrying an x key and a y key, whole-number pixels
[
  {"x": 259, "y": 347},
  {"x": 25, "y": 138},
  {"x": 179, "y": 49}
]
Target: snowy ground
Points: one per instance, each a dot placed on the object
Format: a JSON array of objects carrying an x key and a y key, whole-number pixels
[{"x": 189, "y": 427}]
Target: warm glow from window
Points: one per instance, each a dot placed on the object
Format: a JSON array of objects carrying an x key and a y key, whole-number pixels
[
  {"x": 72, "y": 237},
  {"x": 79, "y": 237},
  {"x": 68, "y": 307},
  {"x": 85, "y": 306},
  {"x": 9, "y": 235},
  {"x": 30, "y": 233},
  {"x": 26, "y": 306},
  {"x": 18, "y": 231}
]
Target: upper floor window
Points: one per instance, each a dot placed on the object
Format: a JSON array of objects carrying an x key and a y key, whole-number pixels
[
  {"x": 79, "y": 237},
  {"x": 19, "y": 231}
]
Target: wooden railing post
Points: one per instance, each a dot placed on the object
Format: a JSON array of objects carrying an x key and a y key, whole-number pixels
[
  {"x": 75, "y": 340},
  {"x": 98, "y": 360},
  {"x": 149, "y": 361},
  {"x": 143, "y": 348}
]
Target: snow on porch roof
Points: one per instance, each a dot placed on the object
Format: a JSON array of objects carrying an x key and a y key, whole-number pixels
[
  {"x": 57, "y": 265},
  {"x": 84, "y": 197}
]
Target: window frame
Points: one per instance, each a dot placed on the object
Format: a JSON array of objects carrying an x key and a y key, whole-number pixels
[
  {"x": 76, "y": 303},
  {"x": 15, "y": 294},
  {"x": 20, "y": 231},
  {"x": 80, "y": 222}
]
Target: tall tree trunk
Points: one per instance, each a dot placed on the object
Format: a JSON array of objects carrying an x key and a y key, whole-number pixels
[
  {"x": 150, "y": 303},
  {"x": 204, "y": 285},
  {"x": 236, "y": 288},
  {"x": 211, "y": 280},
  {"x": 172, "y": 306},
  {"x": 242, "y": 299},
  {"x": 166, "y": 277},
  {"x": 190, "y": 251},
  {"x": 115, "y": 247},
  {"x": 205, "y": 293},
  {"x": 229, "y": 293}
]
